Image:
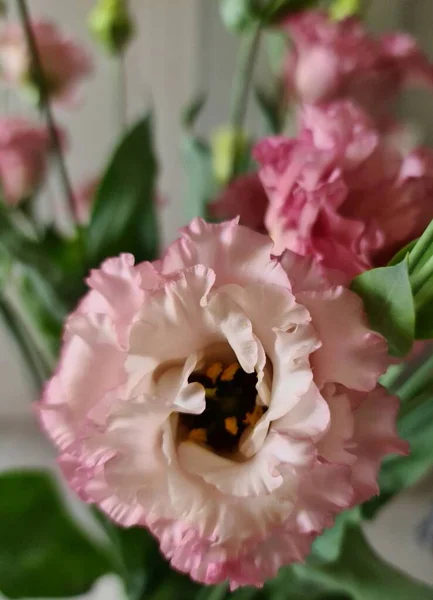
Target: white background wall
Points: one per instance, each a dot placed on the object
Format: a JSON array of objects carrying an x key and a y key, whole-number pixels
[{"x": 181, "y": 48}]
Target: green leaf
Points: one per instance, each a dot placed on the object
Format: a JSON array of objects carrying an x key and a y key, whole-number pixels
[
  {"x": 192, "y": 111},
  {"x": 201, "y": 185},
  {"x": 270, "y": 110},
  {"x": 124, "y": 213},
  {"x": 389, "y": 304},
  {"x": 363, "y": 574},
  {"x": 342, "y": 9},
  {"x": 42, "y": 552},
  {"x": 327, "y": 547},
  {"x": 276, "y": 47}
]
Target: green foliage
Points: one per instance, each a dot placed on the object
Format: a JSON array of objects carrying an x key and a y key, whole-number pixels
[
  {"x": 200, "y": 181},
  {"x": 389, "y": 304},
  {"x": 239, "y": 15},
  {"x": 270, "y": 109},
  {"x": 124, "y": 213},
  {"x": 42, "y": 552},
  {"x": 341, "y": 9}
]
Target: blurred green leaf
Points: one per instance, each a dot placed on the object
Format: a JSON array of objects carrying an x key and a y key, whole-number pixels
[
  {"x": 389, "y": 304},
  {"x": 415, "y": 425},
  {"x": 342, "y": 9},
  {"x": 364, "y": 575},
  {"x": 42, "y": 552},
  {"x": 276, "y": 43},
  {"x": 327, "y": 547},
  {"x": 200, "y": 181},
  {"x": 237, "y": 15},
  {"x": 124, "y": 213},
  {"x": 192, "y": 111}
]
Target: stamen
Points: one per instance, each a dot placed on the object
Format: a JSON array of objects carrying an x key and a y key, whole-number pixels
[
  {"x": 214, "y": 371},
  {"x": 210, "y": 392},
  {"x": 255, "y": 416},
  {"x": 230, "y": 372},
  {"x": 199, "y": 436},
  {"x": 231, "y": 425}
]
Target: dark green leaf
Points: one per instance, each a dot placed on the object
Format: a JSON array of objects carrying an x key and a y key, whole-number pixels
[
  {"x": 388, "y": 301},
  {"x": 42, "y": 552},
  {"x": 270, "y": 110},
  {"x": 192, "y": 111},
  {"x": 327, "y": 547},
  {"x": 201, "y": 186},
  {"x": 124, "y": 214}
]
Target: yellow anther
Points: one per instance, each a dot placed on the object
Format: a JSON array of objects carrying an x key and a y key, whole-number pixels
[
  {"x": 199, "y": 436},
  {"x": 252, "y": 418},
  {"x": 214, "y": 371},
  {"x": 210, "y": 392},
  {"x": 231, "y": 425},
  {"x": 230, "y": 372}
]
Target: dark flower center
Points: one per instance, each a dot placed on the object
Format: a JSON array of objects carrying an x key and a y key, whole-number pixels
[{"x": 230, "y": 407}]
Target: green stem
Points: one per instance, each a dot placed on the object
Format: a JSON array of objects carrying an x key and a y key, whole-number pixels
[
  {"x": 416, "y": 383},
  {"x": 45, "y": 105},
  {"x": 423, "y": 275},
  {"x": 248, "y": 52},
  {"x": 421, "y": 248}
]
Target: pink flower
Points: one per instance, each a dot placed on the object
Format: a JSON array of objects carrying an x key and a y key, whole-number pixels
[
  {"x": 64, "y": 62},
  {"x": 244, "y": 197},
  {"x": 84, "y": 197},
  {"x": 339, "y": 59},
  {"x": 342, "y": 192},
  {"x": 224, "y": 399},
  {"x": 24, "y": 149}
]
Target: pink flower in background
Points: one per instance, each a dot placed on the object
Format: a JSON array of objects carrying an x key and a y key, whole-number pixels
[
  {"x": 65, "y": 62},
  {"x": 84, "y": 197},
  {"x": 24, "y": 149},
  {"x": 342, "y": 192},
  {"x": 339, "y": 59},
  {"x": 244, "y": 197},
  {"x": 222, "y": 398}
]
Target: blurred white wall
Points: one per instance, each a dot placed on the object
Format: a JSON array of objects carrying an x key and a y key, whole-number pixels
[{"x": 181, "y": 48}]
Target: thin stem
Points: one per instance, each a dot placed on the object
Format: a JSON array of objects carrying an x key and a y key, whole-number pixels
[
  {"x": 417, "y": 381},
  {"x": 45, "y": 105},
  {"x": 248, "y": 52},
  {"x": 420, "y": 249},
  {"x": 121, "y": 92},
  {"x": 423, "y": 274}
]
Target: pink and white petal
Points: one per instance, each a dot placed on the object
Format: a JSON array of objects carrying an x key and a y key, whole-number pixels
[
  {"x": 335, "y": 446},
  {"x": 324, "y": 492},
  {"x": 236, "y": 254},
  {"x": 236, "y": 328},
  {"x": 375, "y": 437},
  {"x": 350, "y": 354},
  {"x": 309, "y": 418},
  {"x": 174, "y": 322},
  {"x": 173, "y": 386}
]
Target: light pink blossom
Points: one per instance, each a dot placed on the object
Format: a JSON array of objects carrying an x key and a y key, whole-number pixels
[
  {"x": 340, "y": 59},
  {"x": 244, "y": 197},
  {"x": 342, "y": 191},
  {"x": 65, "y": 62},
  {"x": 24, "y": 149},
  {"x": 224, "y": 399}
]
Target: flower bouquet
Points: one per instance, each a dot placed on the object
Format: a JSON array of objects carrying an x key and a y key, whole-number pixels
[{"x": 231, "y": 409}]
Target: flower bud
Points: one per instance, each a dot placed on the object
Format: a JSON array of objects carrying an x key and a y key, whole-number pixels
[
  {"x": 228, "y": 146},
  {"x": 341, "y": 9},
  {"x": 111, "y": 25}
]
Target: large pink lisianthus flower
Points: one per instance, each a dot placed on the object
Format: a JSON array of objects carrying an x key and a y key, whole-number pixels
[
  {"x": 224, "y": 399},
  {"x": 24, "y": 149},
  {"x": 64, "y": 61},
  {"x": 339, "y": 59},
  {"x": 341, "y": 191}
]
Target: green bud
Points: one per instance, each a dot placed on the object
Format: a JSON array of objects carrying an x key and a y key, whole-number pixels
[
  {"x": 228, "y": 145},
  {"x": 341, "y": 9},
  {"x": 111, "y": 24}
]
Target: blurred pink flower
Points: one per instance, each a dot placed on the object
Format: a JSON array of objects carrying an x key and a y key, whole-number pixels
[
  {"x": 224, "y": 399},
  {"x": 64, "y": 62},
  {"x": 244, "y": 197},
  {"x": 84, "y": 197},
  {"x": 342, "y": 192},
  {"x": 340, "y": 59},
  {"x": 24, "y": 149}
]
